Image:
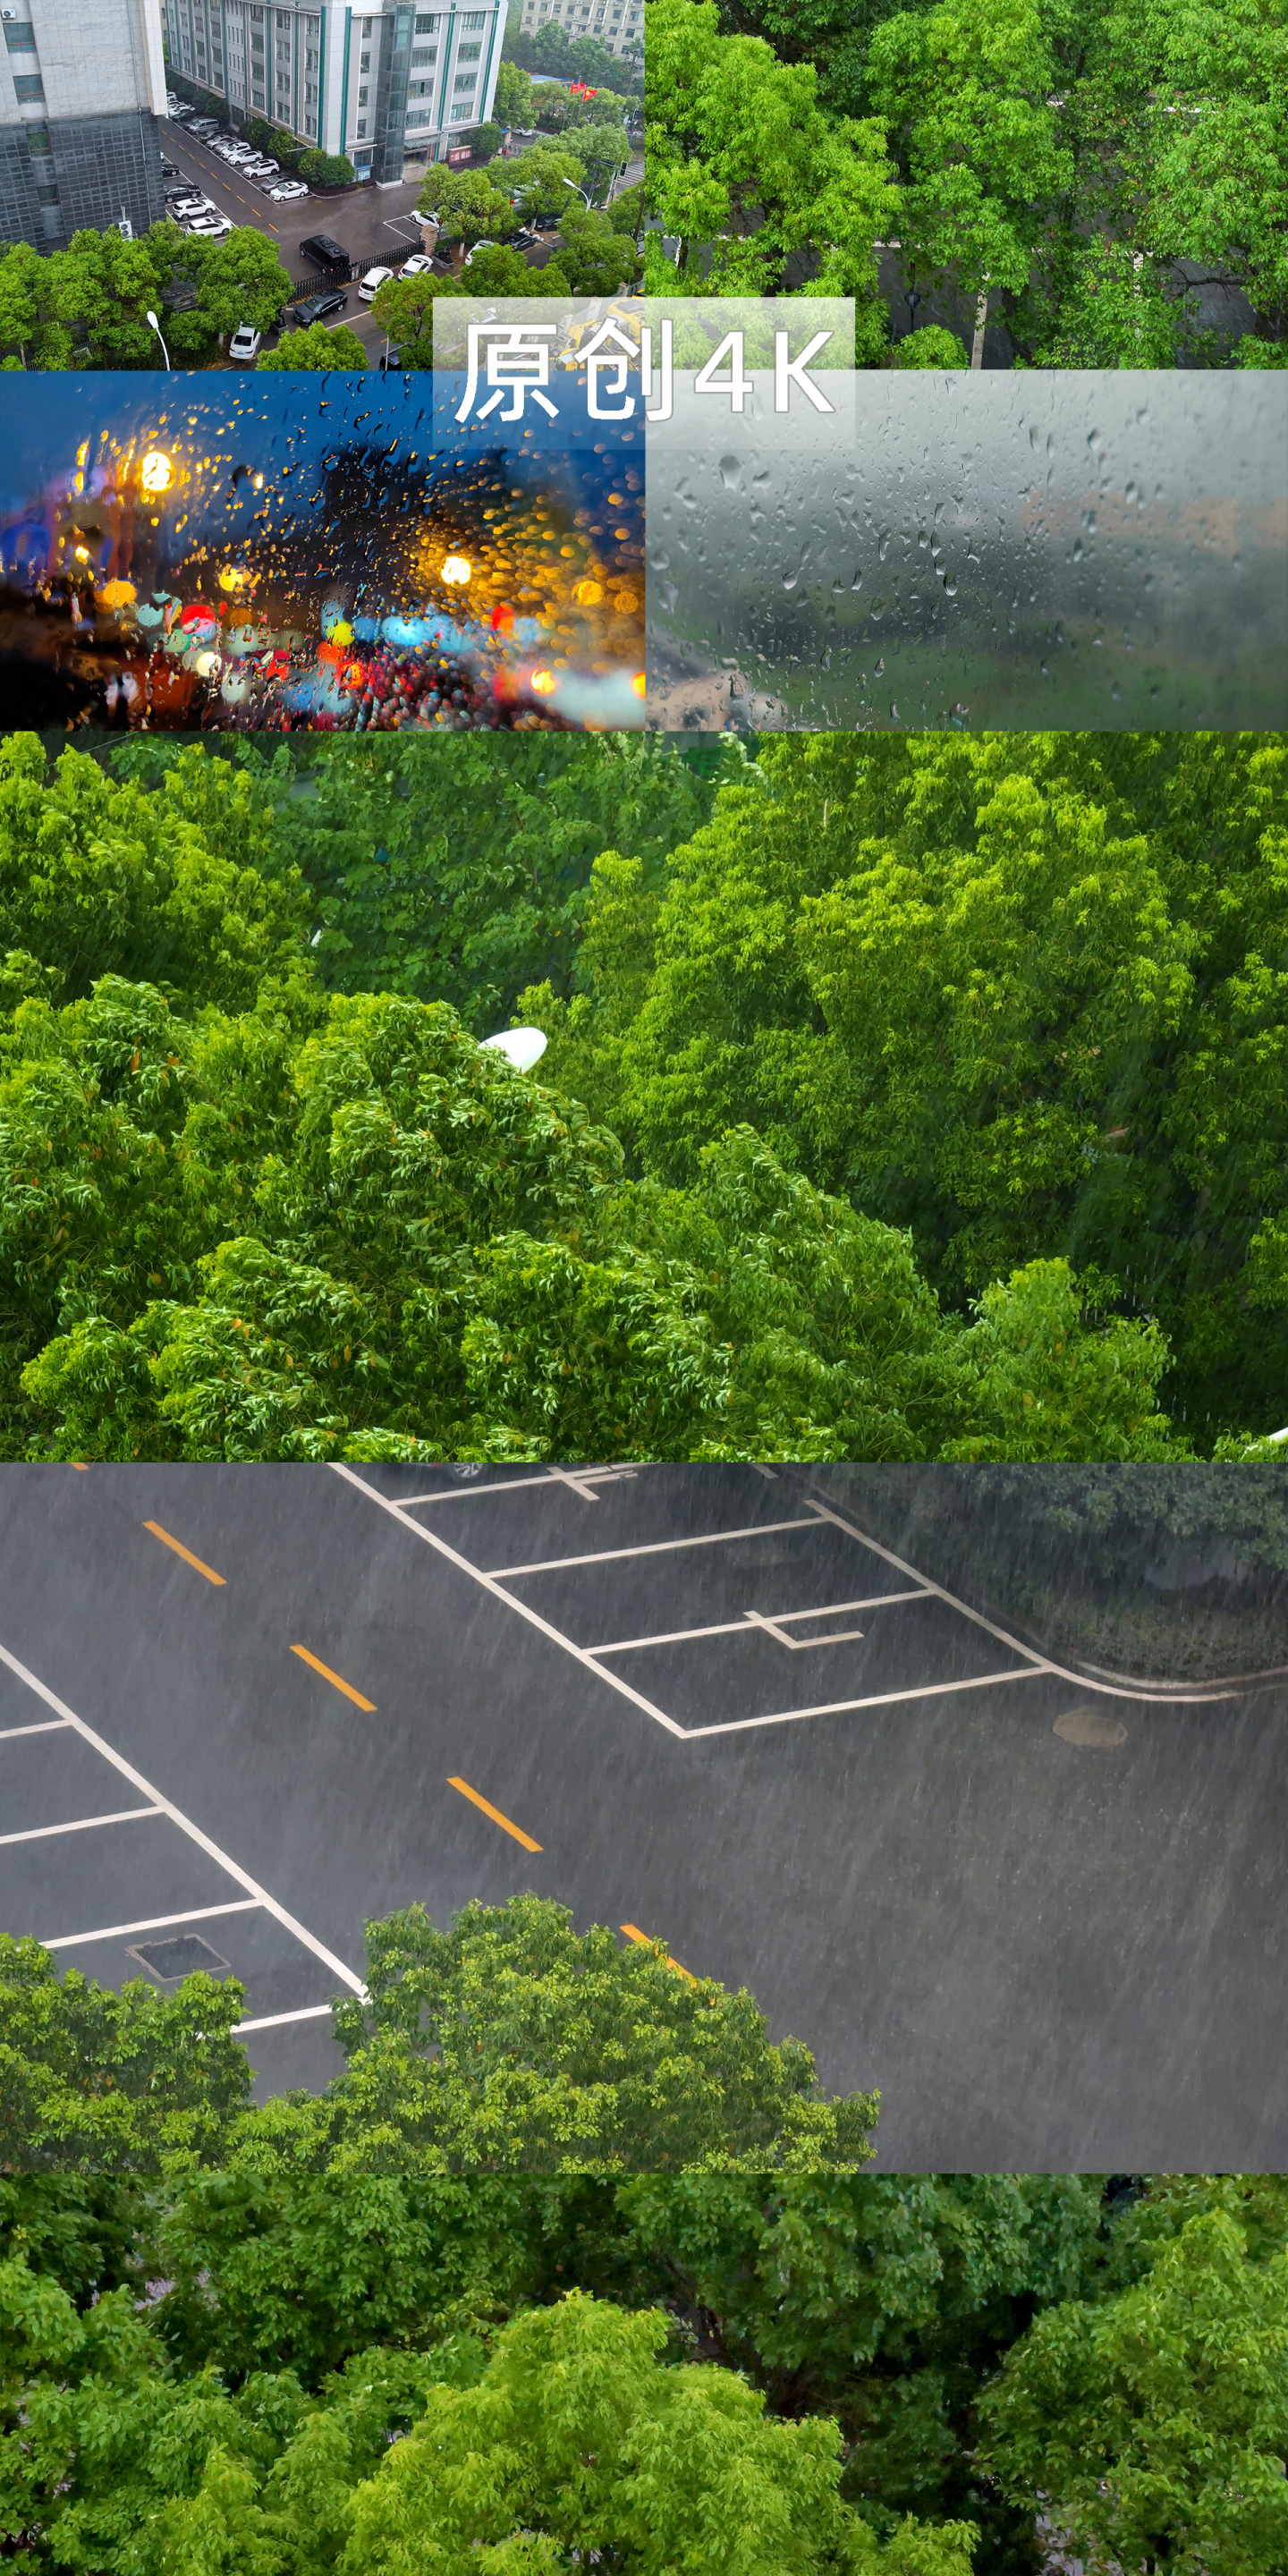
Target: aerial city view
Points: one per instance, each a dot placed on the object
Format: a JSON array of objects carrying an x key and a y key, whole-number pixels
[{"x": 644, "y": 1332}]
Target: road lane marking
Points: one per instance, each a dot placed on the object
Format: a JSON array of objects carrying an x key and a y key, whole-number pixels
[
  {"x": 232, "y": 1869},
  {"x": 47, "y": 1726},
  {"x": 633, "y": 1933},
  {"x": 335, "y": 1680},
  {"x": 521, "y": 1609},
  {"x": 80, "y": 1825},
  {"x": 655, "y": 1547},
  {"x": 882, "y": 1699},
  {"x": 154, "y": 1923},
  {"x": 274, "y": 2021},
  {"x": 738, "y": 1627},
  {"x": 493, "y": 1812},
  {"x": 184, "y": 1552},
  {"x": 580, "y": 1482}
]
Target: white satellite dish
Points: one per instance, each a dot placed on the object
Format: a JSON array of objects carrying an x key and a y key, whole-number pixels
[{"x": 524, "y": 1047}]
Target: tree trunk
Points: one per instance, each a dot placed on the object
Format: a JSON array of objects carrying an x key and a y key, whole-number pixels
[{"x": 981, "y": 318}]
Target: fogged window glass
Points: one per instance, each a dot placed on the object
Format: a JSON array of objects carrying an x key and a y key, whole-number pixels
[{"x": 1028, "y": 550}]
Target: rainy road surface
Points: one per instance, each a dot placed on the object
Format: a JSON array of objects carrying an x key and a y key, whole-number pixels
[{"x": 252, "y": 1707}]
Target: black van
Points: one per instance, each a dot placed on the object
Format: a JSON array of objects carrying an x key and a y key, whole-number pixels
[{"x": 323, "y": 252}]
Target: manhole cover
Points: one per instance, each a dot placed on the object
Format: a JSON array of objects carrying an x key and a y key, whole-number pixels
[
  {"x": 1090, "y": 1726},
  {"x": 167, "y": 1961}
]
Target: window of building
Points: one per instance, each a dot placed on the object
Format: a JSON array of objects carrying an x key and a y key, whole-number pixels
[
  {"x": 362, "y": 98},
  {"x": 21, "y": 40},
  {"x": 257, "y": 47},
  {"x": 28, "y": 85},
  {"x": 424, "y": 54},
  {"x": 311, "y": 59},
  {"x": 467, "y": 80},
  {"x": 365, "y": 63},
  {"x": 366, "y": 26},
  {"x": 311, "y": 94},
  {"x": 425, "y": 26},
  {"x": 468, "y": 53},
  {"x": 462, "y": 116},
  {"x": 419, "y": 116},
  {"x": 473, "y": 20},
  {"x": 362, "y": 125},
  {"x": 257, "y": 98}
]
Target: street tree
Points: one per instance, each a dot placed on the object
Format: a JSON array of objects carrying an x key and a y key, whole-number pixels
[
  {"x": 320, "y": 348},
  {"x": 747, "y": 170},
  {"x": 404, "y": 309},
  {"x": 469, "y": 207},
  {"x": 1155, "y": 2423}
]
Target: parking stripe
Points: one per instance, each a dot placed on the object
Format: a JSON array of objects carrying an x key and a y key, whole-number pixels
[
  {"x": 647, "y": 1942},
  {"x": 80, "y": 1825},
  {"x": 274, "y": 2021},
  {"x": 184, "y": 1552},
  {"x": 154, "y": 1923},
  {"x": 655, "y": 1547},
  {"x": 241, "y": 1877},
  {"x": 493, "y": 1812},
  {"x": 335, "y": 1680},
  {"x": 46, "y": 1726}
]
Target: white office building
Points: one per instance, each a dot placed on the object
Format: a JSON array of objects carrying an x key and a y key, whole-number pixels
[
  {"x": 614, "y": 23},
  {"x": 81, "y": 89},
  {"x": 387, "y": 85}
]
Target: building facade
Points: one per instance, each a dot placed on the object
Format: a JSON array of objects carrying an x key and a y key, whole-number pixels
[
  {"x": 81, "y": 88},
  {"x": 389, "y": 85},
  {"x": 618, "y": 24}
]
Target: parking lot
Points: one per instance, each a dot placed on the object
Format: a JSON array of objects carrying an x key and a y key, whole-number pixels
[
  {"x": 377, "y": 226},
  {"x": 254, "y": 1707}
]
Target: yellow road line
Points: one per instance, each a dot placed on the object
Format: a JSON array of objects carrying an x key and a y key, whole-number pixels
[
  {"x": 184, "y": 1552},
  {"x": 334, "y": 1679},
  {"x": 633, "y": 1933},
  {"x": 493, "y": 1812}
]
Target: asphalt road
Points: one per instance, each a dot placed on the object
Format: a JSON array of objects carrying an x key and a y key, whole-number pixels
[{"x": 695, "y": 1701}]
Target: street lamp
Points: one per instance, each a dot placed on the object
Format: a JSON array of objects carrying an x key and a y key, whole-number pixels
[
  {"x": 157, "y": 328},
  {"x": 580, "y": 192}
]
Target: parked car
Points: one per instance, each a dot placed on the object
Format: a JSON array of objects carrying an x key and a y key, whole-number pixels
[
  {"x": 373, "y": 281},
  {"x": 483, "y": 245},
  {"x": 312, "y": 308},
  {"x": 208, "y": 227},
  {"x": 244, "y": 346},
  {"x": 419, "y": 265},
  {"x": 524, "y": 240},
  {"x": 169, "y": 169},
  {"x": 193, "y": 204},
  {"x": 286, "y": 188},
  {"x": 323, "y": 251},
  {"x": 260, "y": 170},
  {"x": 204, "y": 125}
]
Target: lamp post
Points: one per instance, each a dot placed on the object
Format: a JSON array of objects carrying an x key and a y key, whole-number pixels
[
  {"x": 157, "y": 328},
  {"x": 579, "y": 192}
]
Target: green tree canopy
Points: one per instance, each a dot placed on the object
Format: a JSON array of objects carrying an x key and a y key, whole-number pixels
[
  {"x": 319, "y": 348},
  {"x": 1156, "y": 2423},
  {"x": 469, "y": 207},
  {"x": 1096, "y": 933},
  {"x": 748, "y": 171},
  {"x": 509, "y": 2044}
]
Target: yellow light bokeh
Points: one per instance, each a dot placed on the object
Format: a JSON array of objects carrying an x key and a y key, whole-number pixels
[
  {"x": 456, "y": 568},
  {"x": 543, "y": 682},
  {"x": 639, "y": 684},
  {"x": 155, "y": 471}
]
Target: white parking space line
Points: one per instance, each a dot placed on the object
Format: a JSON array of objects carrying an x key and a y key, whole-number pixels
[
  {"x": 779, "y": 1618},
  {"x": 488, "y": 1583},
  {"x": 655, "y": 1547},
  {"x": 46, "y": 1726},
  {"x": 274, "y": 2021},
  {"x": 153, "y": 1923},
  {"x": 80, "y": 1825},
  {"x": 881, "y": 1699},
  {"x": 164, "y": 1806},
  {"x": 579, "y": 1480}
]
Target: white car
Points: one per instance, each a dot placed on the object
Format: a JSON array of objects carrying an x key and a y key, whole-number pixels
[
  {"x": 208, "y": 227},
  {"x": 483, "y": 245},
  {"x": 419, "y": 265},
  {"x": 288, "y": 188},
  {"x": 260, "y": 169},
  {"x": 244, "y": 345},
  {"x": 373, "y": 281}
]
